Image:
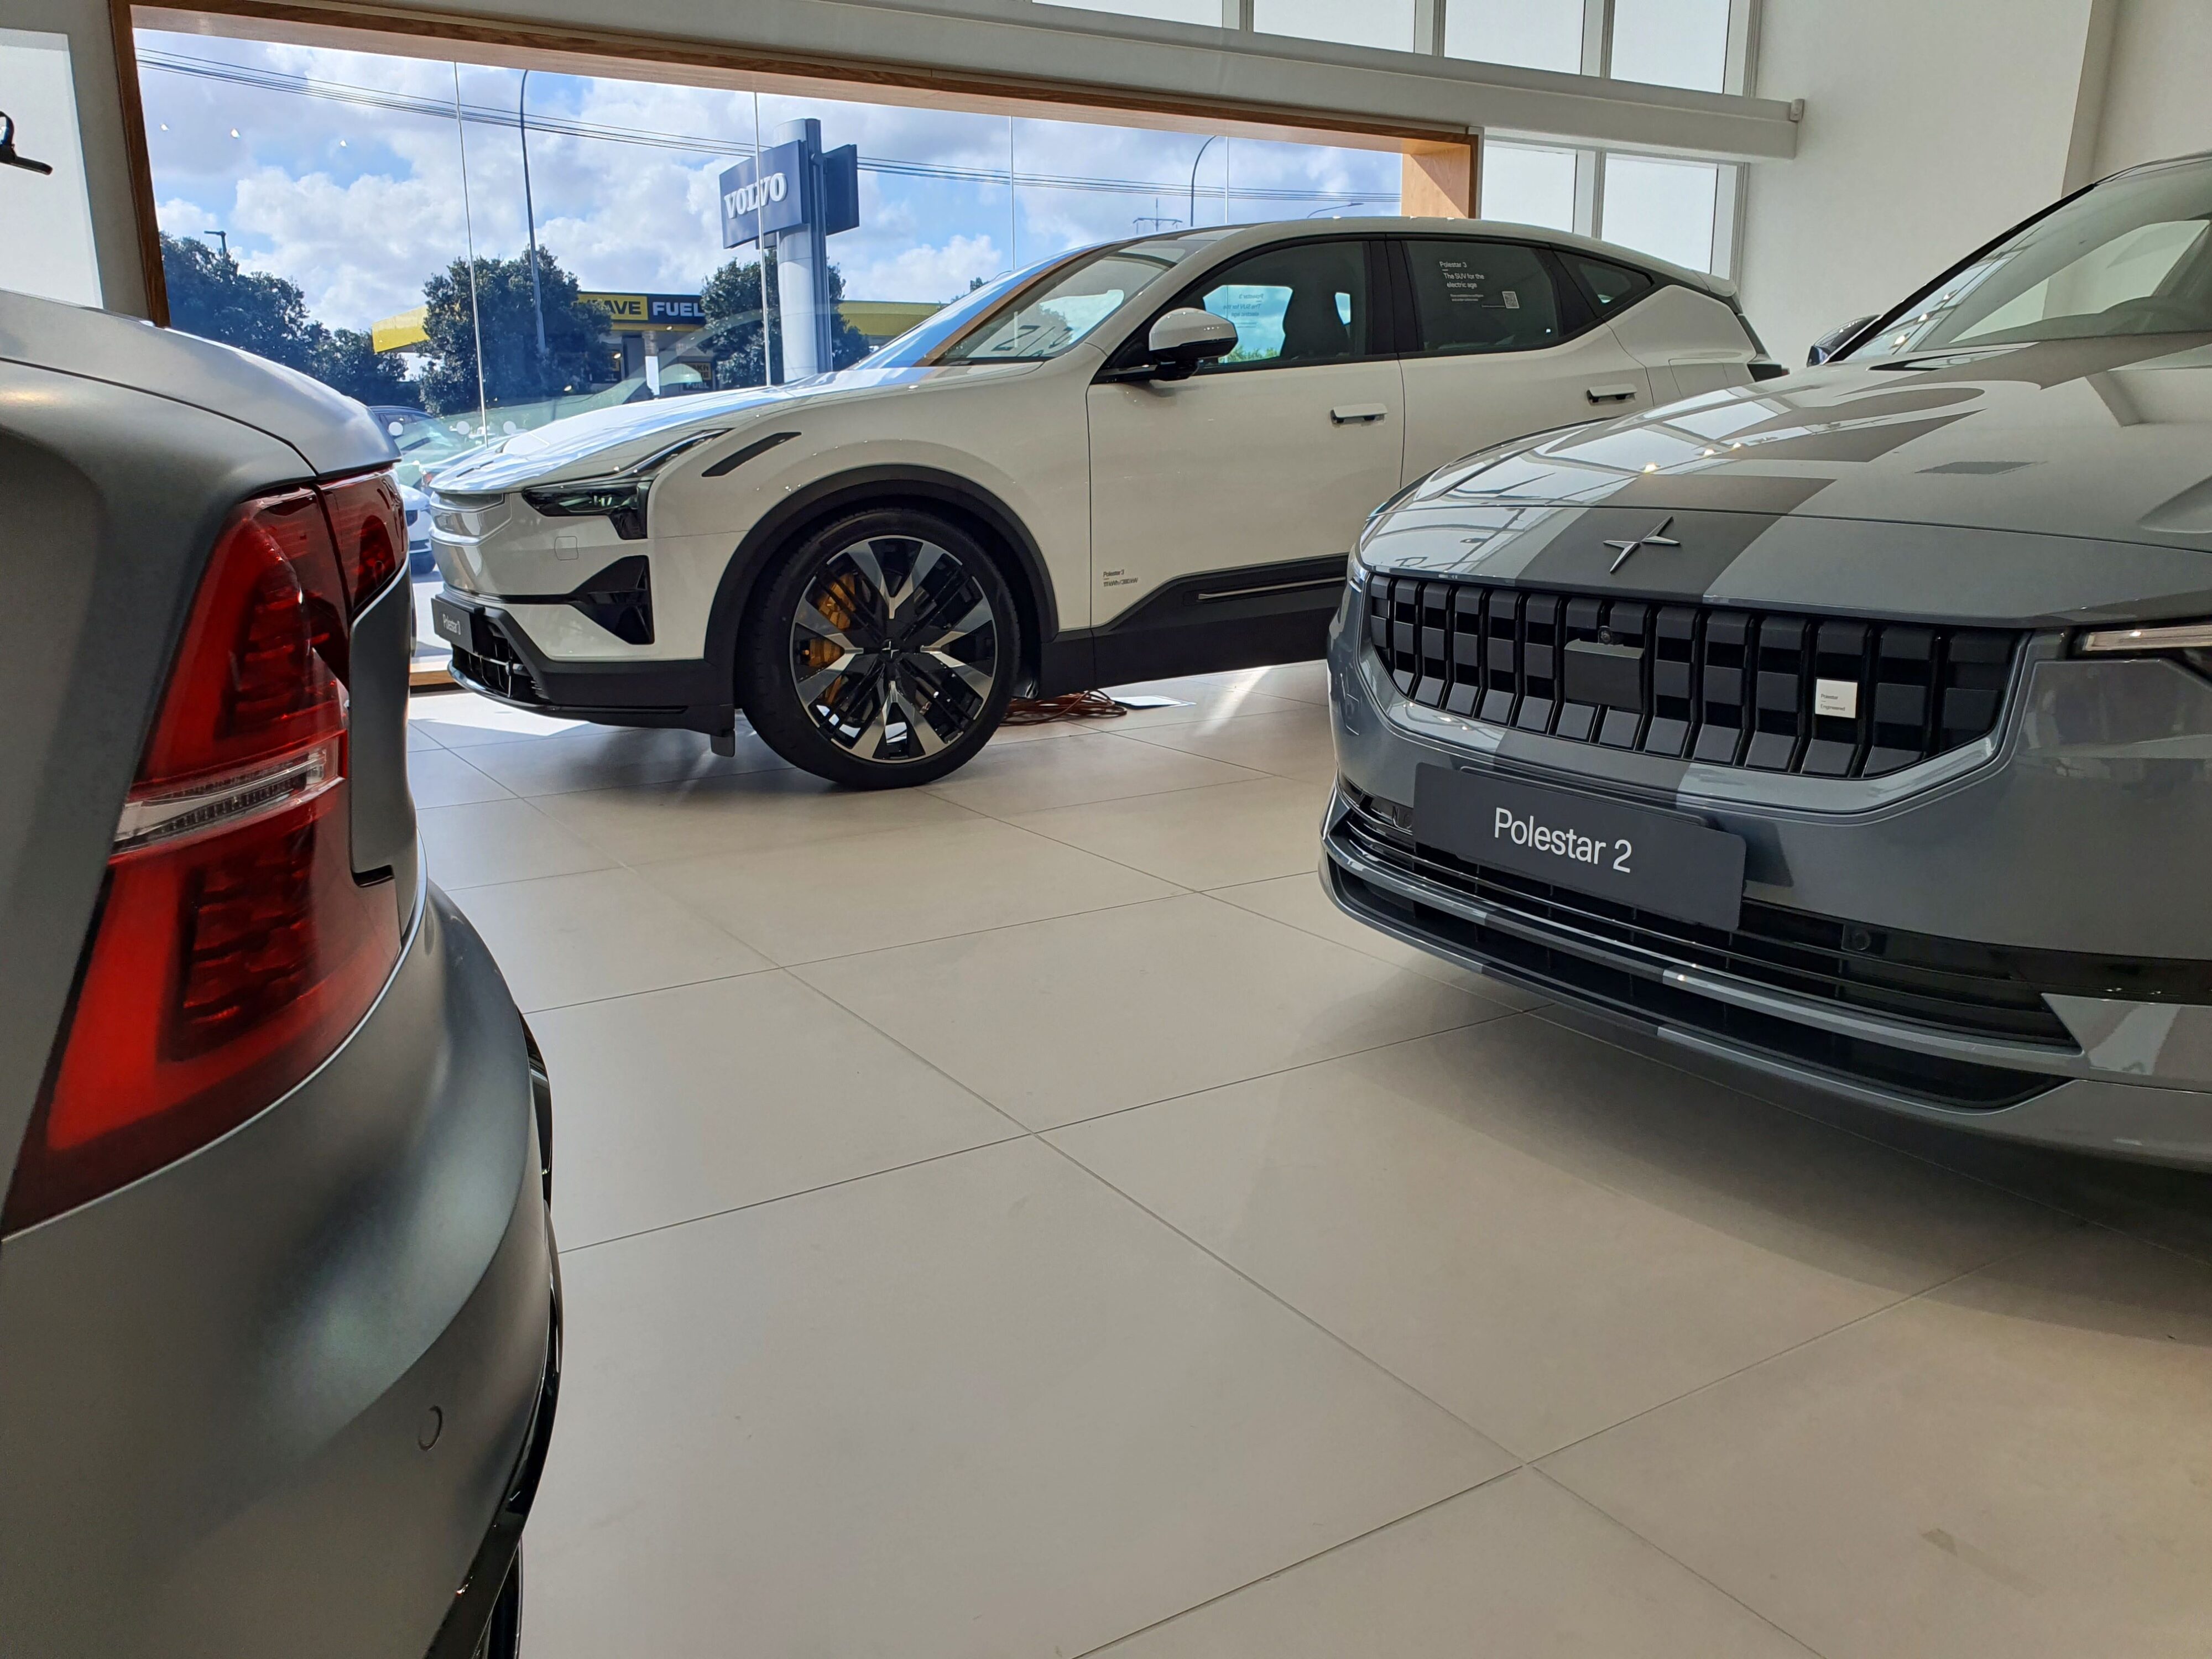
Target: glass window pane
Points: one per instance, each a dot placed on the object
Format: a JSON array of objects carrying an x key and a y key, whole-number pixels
[
  {"x": 1067, "y": 308},
  {"x": 1671, "y": 43},
  {"x": 1664, "y": 208},
  {"x": 1172, "y": 11},
  {"x": 1292, "y": 305},
  {"x": 1354, "y": 22},
  {"x": 1529, "y": 187},
  {"x": 1544, "y": 35},
  {"x": 58, "y": 263},
  {"x": 1610, "y": 285},
  {"x": 2134, "y": 256},
  {"x": 1481, "y": 296}
]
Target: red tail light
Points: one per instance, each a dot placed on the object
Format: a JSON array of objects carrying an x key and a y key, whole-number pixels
[{"x": 233, "y": 949}]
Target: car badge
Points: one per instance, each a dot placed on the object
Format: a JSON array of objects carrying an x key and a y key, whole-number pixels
[{"x": 1657, "y": 538}]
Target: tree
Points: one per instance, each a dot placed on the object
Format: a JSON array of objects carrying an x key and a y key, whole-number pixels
[
  {"x": 211, "y": 296},
  {"x": 732, "y": 302},
  {"x": 505, "y": 312},
  {"x": 347, "y": 360}
]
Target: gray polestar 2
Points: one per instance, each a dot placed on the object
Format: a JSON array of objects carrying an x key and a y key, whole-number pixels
[
  {"x": 1855, "y": 725},
  {"x": 279, "y": 1313}
]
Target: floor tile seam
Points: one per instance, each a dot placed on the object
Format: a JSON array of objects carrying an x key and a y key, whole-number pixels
[
  {"x": 1287, "y": 777},
  {"x": 1722, "y": 1590},
  {"x": 1334, "y": 1336},
  {"x": 766, "y": 967},
  {"x": 914, "y": 1054},
  {"x": 1279, "y": 1071},
  {"x": 1781, "y": 1353},
  {"x": 445, "y": 886},
  {"x": 642, "y": 864},
  {"x": 505, "y": 794},
  {"x": 800, "y": 1191},
  {"x": 641, "y": 783},
  {"x": 1860, "y": 1135},
  {"x": 996, "y": 927},
  {"x": 1092, "y": 852},
  {"x": 1268, "y": 1577},
  {"x": 1104, "y": 801}
]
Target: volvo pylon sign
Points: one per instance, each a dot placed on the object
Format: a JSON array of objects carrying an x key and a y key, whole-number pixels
[{"x": 800, "y": 194}]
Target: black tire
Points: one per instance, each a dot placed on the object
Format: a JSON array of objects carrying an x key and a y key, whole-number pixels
[{"x": 882, "y": 651}]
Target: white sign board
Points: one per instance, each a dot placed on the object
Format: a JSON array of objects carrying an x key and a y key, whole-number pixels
[{"x": 48, "y": 251}]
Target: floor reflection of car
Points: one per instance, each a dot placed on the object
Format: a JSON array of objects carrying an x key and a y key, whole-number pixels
[
  {"x": 1857, "y": 725},
  {"x": 1144, "y": 459},
  {"x": 279, "y": 1317}
]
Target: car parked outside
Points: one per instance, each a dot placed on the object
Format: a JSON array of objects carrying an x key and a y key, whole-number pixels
[
  {"x": 1855, "y": 726},
  {"x": 280, "y": 1317},
  {"x": 1142, "y": 459}
]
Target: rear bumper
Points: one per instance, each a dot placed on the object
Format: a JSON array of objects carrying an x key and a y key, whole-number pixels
[{"x": 291, "y": 1392}]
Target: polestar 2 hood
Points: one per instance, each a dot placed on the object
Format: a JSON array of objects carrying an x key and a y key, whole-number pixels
[{"x": 2060, "y": 481}]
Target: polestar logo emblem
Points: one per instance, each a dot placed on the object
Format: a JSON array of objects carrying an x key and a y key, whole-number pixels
[{"x": 1657, "y": 538}]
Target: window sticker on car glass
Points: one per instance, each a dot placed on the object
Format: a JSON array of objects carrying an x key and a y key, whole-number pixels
[
  {"x": 1467, "y": 285},
  {"x": 1257, "y": 310}
]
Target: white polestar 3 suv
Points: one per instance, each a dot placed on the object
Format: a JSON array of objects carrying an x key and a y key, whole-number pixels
[{"x": 1140, "y": 459}]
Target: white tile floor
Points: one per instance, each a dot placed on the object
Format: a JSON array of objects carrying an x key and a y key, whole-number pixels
[{"x": 1021, "y": 1218}]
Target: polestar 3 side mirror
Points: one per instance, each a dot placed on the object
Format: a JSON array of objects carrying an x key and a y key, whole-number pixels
[
  {"x": 1187, "y": 336},
  {"x": 1834, "y": 341}
]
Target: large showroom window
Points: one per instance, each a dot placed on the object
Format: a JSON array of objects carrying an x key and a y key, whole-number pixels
[
  {"x": 1354, "y": 22},
  {"x": 1546, "y": 34},
  {"x": 1671, "y": 43},
  {"x": 475, "y": 251},
  {"x": 1525, "y": 184}
]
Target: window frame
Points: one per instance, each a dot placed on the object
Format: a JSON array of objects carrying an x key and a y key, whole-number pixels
[{"x": 1383, "y": 332}]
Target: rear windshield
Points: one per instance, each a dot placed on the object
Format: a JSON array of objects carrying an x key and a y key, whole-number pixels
[{"x": 2133, "y": 256}]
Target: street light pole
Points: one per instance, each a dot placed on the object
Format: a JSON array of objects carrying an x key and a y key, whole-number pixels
[
  {"x": 530, "y": 213},
  {"x": 1192, "y": 222}
]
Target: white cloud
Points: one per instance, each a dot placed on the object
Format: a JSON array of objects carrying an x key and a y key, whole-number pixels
[{"x": 926, "y": 272}]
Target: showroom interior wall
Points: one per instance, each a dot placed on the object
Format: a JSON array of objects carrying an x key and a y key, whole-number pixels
[
  {"x": 1929, "y": 125},
  {"x": 2158, "y": 100}
]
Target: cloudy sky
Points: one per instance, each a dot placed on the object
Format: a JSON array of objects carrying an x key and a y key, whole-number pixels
[{"x": 359, "y": 203}]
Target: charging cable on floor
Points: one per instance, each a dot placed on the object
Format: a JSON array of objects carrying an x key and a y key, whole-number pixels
[{"x": 1071, "y": 706}]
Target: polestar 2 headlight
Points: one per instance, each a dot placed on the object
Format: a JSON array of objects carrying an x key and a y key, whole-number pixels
[
  {"x": 619, "y": 497},
  {"x": 2191, "y": 641}
]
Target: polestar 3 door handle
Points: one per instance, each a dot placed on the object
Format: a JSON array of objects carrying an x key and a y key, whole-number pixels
[
  {"x": 1356, "y": 414},
  {"x": 1611, "y": 394}
]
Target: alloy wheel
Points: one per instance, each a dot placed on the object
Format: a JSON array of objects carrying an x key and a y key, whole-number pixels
[{"x": 895, "y": 649}]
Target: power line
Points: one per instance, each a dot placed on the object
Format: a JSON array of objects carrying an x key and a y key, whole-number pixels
[{"x": 686, "y": 143}]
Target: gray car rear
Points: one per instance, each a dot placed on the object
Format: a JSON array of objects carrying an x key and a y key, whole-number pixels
[{"x": 276, "y": 1396}]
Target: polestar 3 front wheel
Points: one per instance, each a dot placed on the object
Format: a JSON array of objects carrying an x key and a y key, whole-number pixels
[{"x": 883, "y": 651}]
